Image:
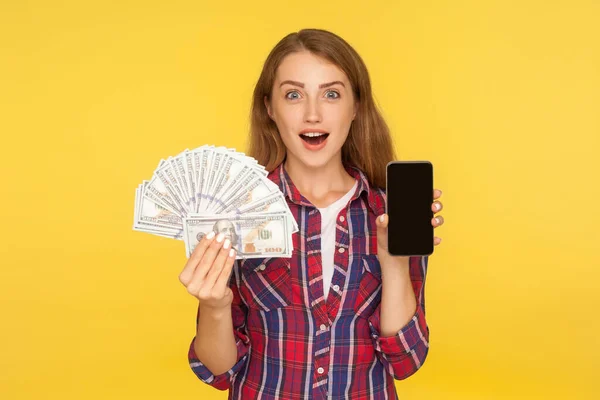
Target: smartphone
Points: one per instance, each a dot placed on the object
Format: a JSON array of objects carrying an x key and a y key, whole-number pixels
[{"x": 409, "y": 188}]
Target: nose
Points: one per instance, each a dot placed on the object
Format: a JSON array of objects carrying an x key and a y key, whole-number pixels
[{"x": 312, "y": 112}]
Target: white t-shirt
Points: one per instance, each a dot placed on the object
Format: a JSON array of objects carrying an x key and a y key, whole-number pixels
[{"x": 328, "y": 225}]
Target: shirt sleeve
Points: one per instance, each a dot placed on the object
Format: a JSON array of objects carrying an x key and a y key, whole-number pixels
[
  {"x": 242, "y": 341},
  {"x": 404, "y": 353}
]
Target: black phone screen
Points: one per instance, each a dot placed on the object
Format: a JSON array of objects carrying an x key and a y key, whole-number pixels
[{"x": 409, "y": 201}]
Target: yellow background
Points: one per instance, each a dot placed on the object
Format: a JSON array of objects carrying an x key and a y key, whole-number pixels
[{"x": 502, "y": 96}]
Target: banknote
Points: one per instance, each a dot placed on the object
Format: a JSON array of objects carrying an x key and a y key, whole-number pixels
[
  {"x": 251, "y": 188},
  {"x": 256, "y": 235},
  {"x": 208, "y": 184},
  {"x": 275, "y": 201},
  {"x": 153, "y": 218}
]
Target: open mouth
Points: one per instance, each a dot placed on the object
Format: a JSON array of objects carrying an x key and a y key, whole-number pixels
[{"x": 314, "y": 138}]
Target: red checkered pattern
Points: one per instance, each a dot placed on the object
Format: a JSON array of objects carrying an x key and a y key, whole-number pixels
[{"x": 294, "y": 344}]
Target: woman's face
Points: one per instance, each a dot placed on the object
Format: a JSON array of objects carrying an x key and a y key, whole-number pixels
[{"x": 313, "y": 105}]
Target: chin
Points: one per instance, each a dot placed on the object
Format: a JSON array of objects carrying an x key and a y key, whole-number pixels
[{"x": 318, "y": 160}]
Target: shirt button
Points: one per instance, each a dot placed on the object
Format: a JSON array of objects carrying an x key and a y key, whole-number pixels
[
  {"x": 323, "y": 327},
  {"x": 342, "y": 219},
  {"x": 320, "y": 370},
  {"x": 262, "y": 267},
  {"x": 341, "y": 250},
  {"x": 336, "y": 288}
]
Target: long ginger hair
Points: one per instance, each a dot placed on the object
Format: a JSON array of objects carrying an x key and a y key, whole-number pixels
[{"x": 369, "y": 145}]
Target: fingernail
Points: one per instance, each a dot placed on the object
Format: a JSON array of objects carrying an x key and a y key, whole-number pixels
[
  {"x": 437, "y": 220},
  {"x": 231, "y": 253},
  {"x": 220, "y": 237},
  {"x": 226, "y": 244},
  {"x": 437, "y": 206},
  {"x": 382, "y": 218},
  {"x": 210, "y": 235}
]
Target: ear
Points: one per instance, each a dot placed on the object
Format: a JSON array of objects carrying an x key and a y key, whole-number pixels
[
  {"x": 268, "y": 107},
  {"x": 355, "y": 110}
]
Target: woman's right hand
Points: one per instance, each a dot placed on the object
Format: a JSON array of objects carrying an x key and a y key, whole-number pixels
[{"x": 207, "y": 271}]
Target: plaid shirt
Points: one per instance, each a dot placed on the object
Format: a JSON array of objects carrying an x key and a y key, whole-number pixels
[{"x": 294, "y": 344}]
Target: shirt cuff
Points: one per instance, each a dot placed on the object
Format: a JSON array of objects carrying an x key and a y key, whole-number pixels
[
  {"x": 222, "y": 381},
  {"x": 413, "y": 335}
]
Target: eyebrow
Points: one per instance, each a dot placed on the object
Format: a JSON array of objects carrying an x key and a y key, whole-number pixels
[{"x": 321, "y": 86}]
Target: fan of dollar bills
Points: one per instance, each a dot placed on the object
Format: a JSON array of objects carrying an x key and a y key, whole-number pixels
[{"x": 218, "y": 189}]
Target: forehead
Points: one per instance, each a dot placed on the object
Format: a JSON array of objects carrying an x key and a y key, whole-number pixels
[{"x": 309, "y": 69}]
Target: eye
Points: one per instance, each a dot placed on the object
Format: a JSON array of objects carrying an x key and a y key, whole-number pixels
[
  {"x": 337, "y": 95},
  {"x": 287, "y": 95}
]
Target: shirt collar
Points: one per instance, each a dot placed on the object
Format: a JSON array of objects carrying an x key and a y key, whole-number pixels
[{"x": 281, "y": 178}]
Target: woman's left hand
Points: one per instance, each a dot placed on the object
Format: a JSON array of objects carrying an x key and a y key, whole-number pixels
[{"x": 382, "y": 231}]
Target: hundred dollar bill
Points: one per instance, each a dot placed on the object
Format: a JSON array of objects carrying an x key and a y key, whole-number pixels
[
  {"x": 272, "y": 202},
  {"x": 156, "y": 192},
  {"x": 251, "y": 235},
  {"x": 229, "y": 175},
  {"x": 220, "y": 154},
  {"x": 200, "y": 166},
  {"x": 233, "y": 185},
  {"x": 207, "y": 163},
  {"x": 155, "y": 223},
  {"x": 169, "y": 182},
  {"x": 222, "y": 161},
  {"x": 189, "y": 177},
  {"x": 150, "y": 212},
  {"x": 179, "y": 172},
  {"x": 173, "y": 174},
  {"x": 252, "y": 187}
]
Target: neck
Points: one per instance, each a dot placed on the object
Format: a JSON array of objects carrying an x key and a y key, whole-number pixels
[{"x": 319, "y": 184}]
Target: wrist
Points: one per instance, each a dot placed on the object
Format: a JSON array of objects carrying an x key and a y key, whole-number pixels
[
  {"x": 395, "y": 263},
  {"x": 214, "y": 313}
]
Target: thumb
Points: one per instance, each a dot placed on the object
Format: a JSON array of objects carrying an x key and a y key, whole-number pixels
[{"x": 382, "y": 223}]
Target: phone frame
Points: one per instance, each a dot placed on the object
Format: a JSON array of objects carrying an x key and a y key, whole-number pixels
[{"x": 386, "y": 202}]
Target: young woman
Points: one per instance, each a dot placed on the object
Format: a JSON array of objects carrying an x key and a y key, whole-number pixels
[{"x": 342, "y": 318}]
